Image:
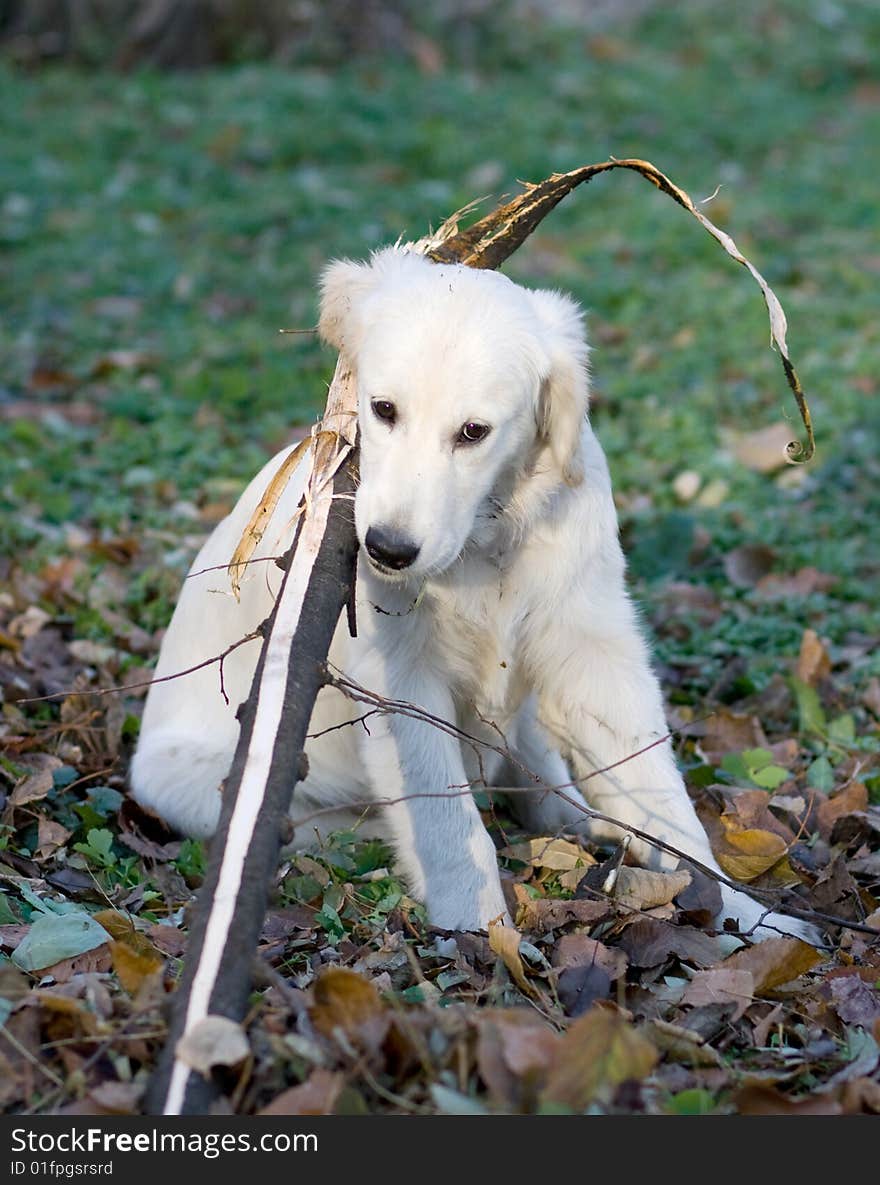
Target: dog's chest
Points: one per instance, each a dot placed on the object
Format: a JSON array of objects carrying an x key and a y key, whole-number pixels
[{"x": 475, "y": 631}]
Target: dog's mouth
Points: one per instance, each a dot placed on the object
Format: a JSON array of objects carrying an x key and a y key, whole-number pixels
[
  {"x": 381, "y": 570},
  {"x": 391, "y": 575}
]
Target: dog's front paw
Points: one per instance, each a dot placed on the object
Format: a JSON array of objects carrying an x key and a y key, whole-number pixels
[
  {"x": 759, "y": 923},
  {"x": 467, "y": 900},
  {"x": 450, "y": 912}
]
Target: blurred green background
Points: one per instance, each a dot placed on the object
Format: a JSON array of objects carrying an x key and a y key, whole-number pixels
[{"x": 170, "y": 190}]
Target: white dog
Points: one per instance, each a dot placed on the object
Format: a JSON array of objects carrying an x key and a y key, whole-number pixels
[{"x": 491, "y": 593}]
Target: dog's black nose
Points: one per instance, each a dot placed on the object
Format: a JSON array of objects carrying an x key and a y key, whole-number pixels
[{"x": 390, "y": 549}]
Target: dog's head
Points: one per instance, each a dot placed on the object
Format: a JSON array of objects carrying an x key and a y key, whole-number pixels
[{"x": 465, "y": 380}]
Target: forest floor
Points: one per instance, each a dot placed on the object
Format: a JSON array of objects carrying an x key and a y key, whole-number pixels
[{"x": 156, "y": 232}]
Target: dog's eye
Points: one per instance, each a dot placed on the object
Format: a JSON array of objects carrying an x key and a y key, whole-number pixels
[
  {"x": 472, "y": 432},
  {"x": 384, "y": 409}
]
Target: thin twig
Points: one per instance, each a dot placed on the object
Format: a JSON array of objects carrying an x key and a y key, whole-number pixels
[
  {"x": 28, "y": 1056},
  {"x": 313, "y": 736},
  {"x": 260, "y": 559},
  {"x": 768, "y": 896},
  {"x": 38, "y": 699}
]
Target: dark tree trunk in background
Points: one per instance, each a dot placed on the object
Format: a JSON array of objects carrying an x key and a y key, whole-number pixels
[{"x": 189, "y": 34}]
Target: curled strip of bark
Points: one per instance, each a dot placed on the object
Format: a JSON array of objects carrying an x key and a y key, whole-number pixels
[
  {"x": 259, "y": 521},
  {"x": 491, "y": 240}
]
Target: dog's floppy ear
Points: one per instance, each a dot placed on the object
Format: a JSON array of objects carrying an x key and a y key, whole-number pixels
[
  {"x": 343, "y": 285},
  {"x": 565, "y": 390}
]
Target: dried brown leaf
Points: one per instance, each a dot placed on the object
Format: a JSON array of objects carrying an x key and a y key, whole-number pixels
[
  {"x": 348, "y": 1006},
  {"x": 36, "y": 785},
  {"x": 730, "y": 732},
  {"x": 168, "y": 939},
  {"x": 767, "y": 1100},
  {"x": 579, "y": 950},
  {"x": 580, "y": 987},
  {"x": 764, "y": 449},
  {"x": 701, "y": 901},
  {"x": 853, "y": 798},
  {"x": 802, "y": 583},
  {"x": 316, "y": 1096},
  {"x": 514, "y": 1050},
  {"x": 117, "y": 1098},
  {"x": 813, "y": 662},
  {"x": 749, "y": 563},
  {"x": 773, "y": 962},
  {"x": 649, "y": 942},
  {"x": 860, "y": 1096},
  {"x": 642, "y": 888},
  {"x": 96, "y": 960},
  {"x": 750, "y": 809},
  {"x": 50, "y": 837},
  {"x": 721, "y": 985},
  {"x": 494, "y": 238},
  {"x": 854, "y": 1001},
  {"x": 681, "y": 1045},
  {"x": 12, "y": 933},
  {"x": 545, "y": 913},
  {"x": 871, "y": 696},
  {"x": 14, "y": 984}
]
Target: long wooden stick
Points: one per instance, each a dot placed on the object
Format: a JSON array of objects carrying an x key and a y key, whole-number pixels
[
  {"x": 268, "y": 760},
  {"x": 270, "y": 756}
]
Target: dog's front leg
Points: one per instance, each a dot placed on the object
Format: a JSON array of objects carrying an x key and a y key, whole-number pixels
[
  {"x": 602, "y": 701},
  {"x": 443, "y": 849}
]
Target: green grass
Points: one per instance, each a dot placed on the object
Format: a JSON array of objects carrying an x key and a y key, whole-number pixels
[{"x": 211, "y": 201}]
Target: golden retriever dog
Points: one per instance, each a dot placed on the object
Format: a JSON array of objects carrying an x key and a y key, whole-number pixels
[{"x": 491, "y": 593}]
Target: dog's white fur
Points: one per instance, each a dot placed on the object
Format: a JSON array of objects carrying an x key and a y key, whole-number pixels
[{"x": 514, "y": 612}]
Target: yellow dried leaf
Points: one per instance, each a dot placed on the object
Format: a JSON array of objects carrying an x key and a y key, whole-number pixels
[
  {"x": 134, "y": 960},
  {"x": 571, "y": 879},
  {"x": 600, "y": 1051},
  {"x": 560, "y": 855},
  {"x": 117, "y": 925},
  {"x": 747, "y": 852},
  {"x": 504, "y": 941}
]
